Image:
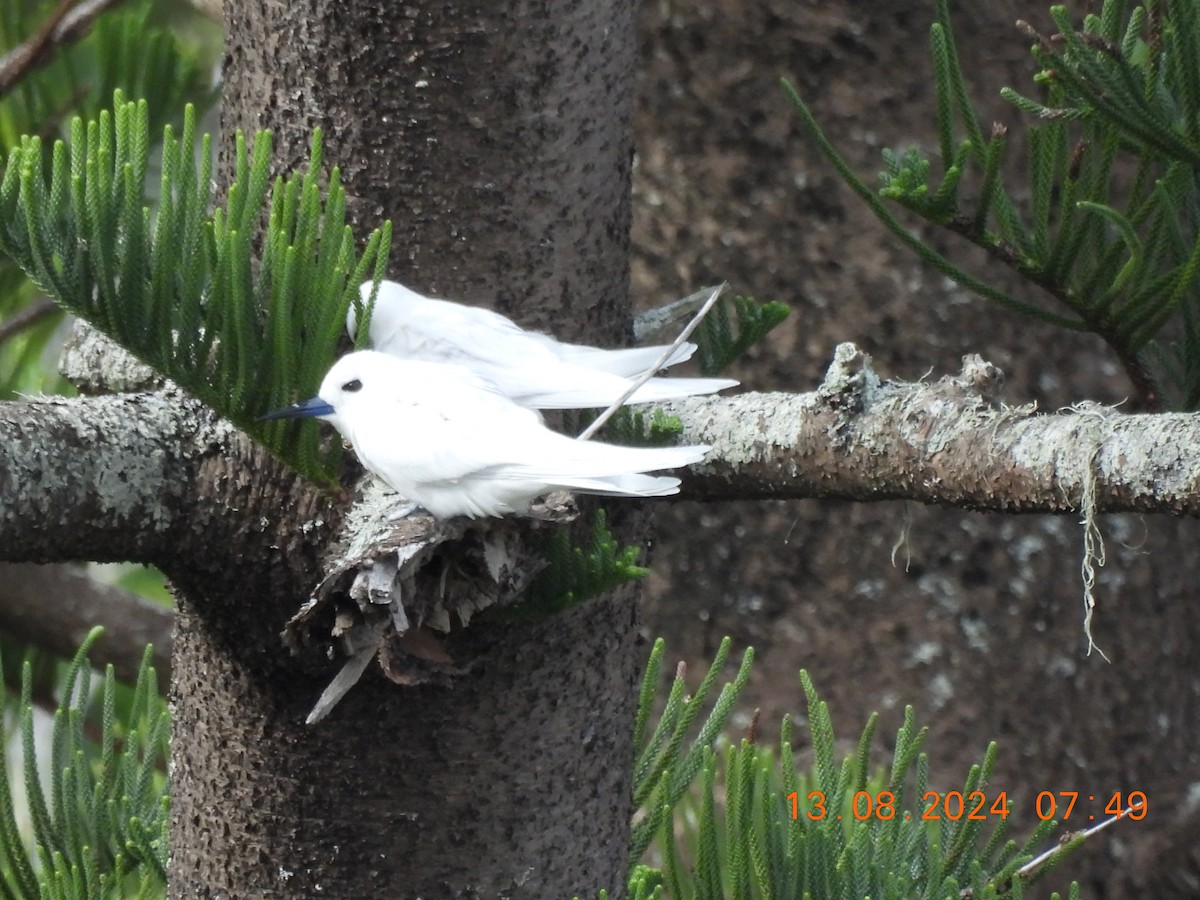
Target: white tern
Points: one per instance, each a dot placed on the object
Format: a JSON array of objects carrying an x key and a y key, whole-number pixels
[
  {"x": 451, "y": 442},
  {"x": 533, "y": 369}
]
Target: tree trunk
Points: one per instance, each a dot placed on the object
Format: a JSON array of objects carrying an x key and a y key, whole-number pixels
[{"x": 497, "y": 137}]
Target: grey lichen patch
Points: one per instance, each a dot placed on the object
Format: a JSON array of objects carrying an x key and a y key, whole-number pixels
[
  {"x": 120, "y": 486},
  {"x": 937, "y": 431},
  {"x": 749, "y": 429},
  {"x": 1067, "y": 445},
  {"x": 982, "y": 378},
  {"x": 850, "y": 382},
  {"x": 1158, "y": 458},
  {"x": 96, "y": 364},
  {"x": 86, "y": 466}
]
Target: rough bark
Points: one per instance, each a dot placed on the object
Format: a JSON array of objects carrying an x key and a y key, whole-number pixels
[
  {"x": 95, "y": 478},
  {"x": 498, "y": 139},
  {"x": 135, "y": 477},
  {"x": 495, "y": 136},
  {"x": 949, "y": 442}
]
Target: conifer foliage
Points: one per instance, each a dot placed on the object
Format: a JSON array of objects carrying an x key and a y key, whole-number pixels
[
  {"x": 719, "y": 818},
  {"x": 100, "y": 830},
  {"x": 243, "y": 306},
  {"x": 1109, "y": 232}
]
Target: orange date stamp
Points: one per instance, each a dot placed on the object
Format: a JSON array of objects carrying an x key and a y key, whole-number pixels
[{"x": 976, "y": 806}]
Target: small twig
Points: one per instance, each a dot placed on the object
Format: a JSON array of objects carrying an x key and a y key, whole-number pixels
[
  {"x": 26, "y": 318},
  {"x": 25, "y": 56},
  {"x": 1036, "y": 863},
  {"x": 662, "y": 361},
  {"x": 67, "y": 23}
]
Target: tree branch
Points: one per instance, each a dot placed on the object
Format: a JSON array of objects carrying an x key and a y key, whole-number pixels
[
  {"x": 153, "y": 477},
  {"x": 90, "y": 477},
  {"x": 66, "y": 23},
  {"x": 26, "y": 318},
  {"x": 949, "y": 443},
  {"x": 111, "y": 477},
  {"x": 55, "y": 606}
]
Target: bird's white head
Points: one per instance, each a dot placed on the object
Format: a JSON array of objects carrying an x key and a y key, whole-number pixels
[{"x": 353, "y": 383}]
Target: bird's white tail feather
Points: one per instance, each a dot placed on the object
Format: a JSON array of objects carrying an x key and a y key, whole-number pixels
[
  {"x": 570, "y": 467},
  {"x": 656, "y": 390},
  {"x": 644, "y": 485},
  {"x": 627, "y": 485}
]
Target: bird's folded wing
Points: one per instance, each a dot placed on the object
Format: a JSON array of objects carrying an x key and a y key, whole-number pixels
[
  {"x": 570, "y": 459},
  {"x": 630, "y": 362},
  {"x": 476, "y": 337}
]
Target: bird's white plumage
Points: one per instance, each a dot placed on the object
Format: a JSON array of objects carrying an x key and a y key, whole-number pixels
[
  {"x": 534, "y": 370},
  {"x": 451, "y": 442}
]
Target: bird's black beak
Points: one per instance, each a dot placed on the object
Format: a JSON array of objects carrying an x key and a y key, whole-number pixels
[{"x": 312, "y": 407}]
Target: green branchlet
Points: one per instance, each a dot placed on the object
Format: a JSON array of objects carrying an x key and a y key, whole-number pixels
[
  {"x": 720, "y": 823},
  {"x": 575, "y": 574},
  {"x": 123, "y": 50},
  {"x": 629, "y": 426},
  {"x": 723, "y": 337},
  {"x": 102, "y": 831},
  {"x": 243, "y": 307},
  {"x": 1120, "y": 96},
  {"x": 665, "y": 768}
]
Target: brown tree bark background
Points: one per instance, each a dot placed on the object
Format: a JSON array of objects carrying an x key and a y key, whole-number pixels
[{"x": 982, "y": 630}]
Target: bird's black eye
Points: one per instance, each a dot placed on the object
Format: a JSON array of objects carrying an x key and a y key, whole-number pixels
[{"x": 351, "y": 386}]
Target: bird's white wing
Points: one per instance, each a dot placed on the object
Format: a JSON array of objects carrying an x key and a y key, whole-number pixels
[
  {"x": 531, "y": 368},
  {"x": 520, "y": 480},
  {"x": 554, "y": 457},
  {"x": 628, "y": 361},
  {"x": 441, "y": 331},
  {"x": 562, "y": 385}
]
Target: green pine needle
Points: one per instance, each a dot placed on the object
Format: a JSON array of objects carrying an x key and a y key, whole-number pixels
[
  {"x": 103, "y": 831},
  {"x": 727, "y": 830},
  {"x": 1118, "y": 255},
  {"x": 243, "y": 306}
]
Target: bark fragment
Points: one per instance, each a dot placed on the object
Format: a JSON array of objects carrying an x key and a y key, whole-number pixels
[{"x": 391, "y": 586}]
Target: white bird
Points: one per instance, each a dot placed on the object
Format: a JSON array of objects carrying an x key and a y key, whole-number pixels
[
  {"x": 534, "y": 370},
  {"x": 452, "y": 443}
]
